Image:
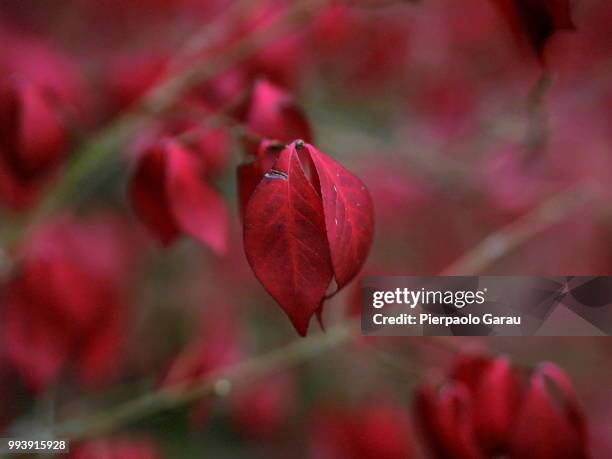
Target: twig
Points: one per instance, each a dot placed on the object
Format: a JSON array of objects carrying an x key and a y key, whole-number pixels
[
  {"x": 5, "y": 264},
  {"x": 502, "y": 242},
  {"x": 537, "y": 124},
  {"x": 89, "y": 158},
  {"x": 442, "y": 171},
  {"x": 220, "y": 382},
  {"x": 205, "y": 35},
  {"x": 217, "y": 383}
]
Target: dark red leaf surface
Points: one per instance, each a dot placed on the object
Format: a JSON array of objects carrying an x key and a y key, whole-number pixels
[
  {"x": 326, "y": 207},
  {"x": 250, "y": 174},
  {"x": 349, "y": 216},
  {"x": 285, "y": 242},
  {"x": 248, "y": 177}
]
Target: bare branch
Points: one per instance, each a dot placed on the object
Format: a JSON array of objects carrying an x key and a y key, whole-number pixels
[
  {"x": 218, "y": 383},
  {"x": 501, "y": 243},
  {"x": 92, "y": 155}
]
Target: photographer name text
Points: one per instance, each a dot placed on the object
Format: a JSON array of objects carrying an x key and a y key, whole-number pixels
[{"x": 456, "y": 298}]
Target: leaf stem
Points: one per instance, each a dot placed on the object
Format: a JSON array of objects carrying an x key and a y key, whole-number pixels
[{"x": 537, "y": 122}]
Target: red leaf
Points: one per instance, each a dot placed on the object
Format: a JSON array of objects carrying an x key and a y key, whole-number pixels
[
  {"x": 566, "y": 395},
  {"x": 261, "y": 410},
  {"x": 38, "y": 351},
  {"x": 249, "y": 175},
  {"x": 349, "y": 216},
  {"x": 149, "y": 198},
  {"x": 274, "y": 114},
  {"x": 198, "y": 209},
  {"x": 170, "y": 196},
  {"x": 34, "y": 141},
  {"x": 285, "y": 242},
  {"x": 535, "y": 21},
  {"x": 495, "y": 403},
  {"x": 541, "y": 418},
  {"x": 445, "y": 419},
  {"x": 214, "y": 147},
  {"x": 98, "y": 355}
]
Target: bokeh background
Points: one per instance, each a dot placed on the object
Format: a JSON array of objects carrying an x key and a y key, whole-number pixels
[{"x": 482, "y": 153}]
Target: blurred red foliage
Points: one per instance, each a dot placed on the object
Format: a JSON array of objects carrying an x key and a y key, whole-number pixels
[
  {"x": 375, "y": 429},
  {"x": 453, "y": 130},
  {"x": 485, "y": 409},
  {"x": 65, "y": 305},
  {"x": 122, "y": 448}
]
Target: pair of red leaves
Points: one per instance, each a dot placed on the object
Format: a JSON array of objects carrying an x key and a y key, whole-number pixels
[
  {"x": 307, "y": 220},
  {"x": 485, "y": 409}
]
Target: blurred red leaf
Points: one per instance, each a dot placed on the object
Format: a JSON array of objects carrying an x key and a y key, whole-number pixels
[
  {"x": 198, "y": 209},
  {"x": 33, "y": 140},
  {"x": 149, "y": 197},
  {"x": 65, "y": 305},
  {"x": 445, "y": 417},
  {"x": 496, "y": 398},
  {"x": 169, "y": 194},
  {"x": 535, "y": 21},
  {"x": 373, "y": 429},
  {"x": 263, "y": 408},
  {"x": 274, "y": 114},
  {"x": 117, "y": 448},
  {"x": 542, "y": 418},
  {"x": 484, "y": 410}
]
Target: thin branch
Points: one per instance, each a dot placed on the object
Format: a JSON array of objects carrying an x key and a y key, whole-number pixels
[
  {"x": 483, "y": 255},
  {"x": 5, "y": 264},
  {"x": 218, "y": 383},
  {"x": 501, "y": 243},
  {"x": 91, "y": 156},
  {"x": 207, "y": 34},
  {"x": 88, "y": 159},
  {"x": 537, "y": 124}
]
